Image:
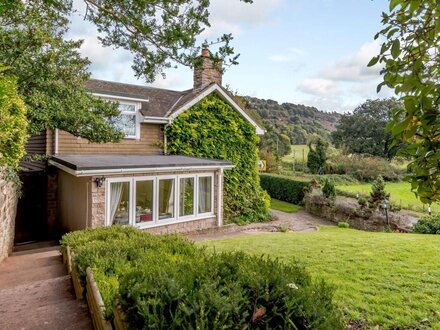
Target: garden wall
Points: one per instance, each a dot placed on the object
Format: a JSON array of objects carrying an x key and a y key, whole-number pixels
[{"x": 8, "y": 210}]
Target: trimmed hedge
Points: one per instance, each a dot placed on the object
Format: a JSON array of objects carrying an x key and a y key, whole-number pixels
[
  {"x": 428, "y": 225},
  {"x": 283, "y": 188},
  {"x": 166, "y": 282}
]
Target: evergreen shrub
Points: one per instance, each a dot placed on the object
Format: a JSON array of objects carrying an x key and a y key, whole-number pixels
[
  {"x": 213, "y": 129},
  {"x": 428, "y": 225},
  {"x": 166, "y": 282},
  {"x": 284, "y": 188}
]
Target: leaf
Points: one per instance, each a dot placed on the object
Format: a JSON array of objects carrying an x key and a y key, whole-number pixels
[
  {"x": 395, "y": 48},
  {"x": 393, "y": 4},
  {"x": 373, "y": 61}
]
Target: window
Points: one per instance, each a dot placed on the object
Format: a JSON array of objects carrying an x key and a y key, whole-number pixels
[
  {"x": 205, "y": 194},
  {"x": 127, "y": 122},
  {"x": 186, "y": 196},
  {"x": 148, "y": 201}
]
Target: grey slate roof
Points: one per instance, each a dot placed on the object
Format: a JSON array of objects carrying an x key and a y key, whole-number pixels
[{"x": 104, "y": 162}]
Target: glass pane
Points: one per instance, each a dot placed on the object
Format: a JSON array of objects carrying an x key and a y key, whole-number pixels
[
  {"x": 126, "y": 124},
  {"x": 186, "y": 196},
  {"x": 166, "y": 199},
  {"x": 144, "y": 201},
  {"x": 120, "y": 203},
  {"x": 127, "y": 107},
  {"x": 205, "y": 194}
]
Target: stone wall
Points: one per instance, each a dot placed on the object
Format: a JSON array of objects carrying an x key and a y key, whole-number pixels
[{"x": 8, "y": 210}]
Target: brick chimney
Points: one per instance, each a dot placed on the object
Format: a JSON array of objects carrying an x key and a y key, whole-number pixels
[{"x": 206, "y": 71}]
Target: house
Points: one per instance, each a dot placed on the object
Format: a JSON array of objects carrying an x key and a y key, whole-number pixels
[{"x": 133, "y": 182}]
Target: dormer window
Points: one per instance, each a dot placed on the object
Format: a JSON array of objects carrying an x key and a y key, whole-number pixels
[{"x": 127, "y": 122}]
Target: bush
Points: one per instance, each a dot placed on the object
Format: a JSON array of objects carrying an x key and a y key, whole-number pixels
[
  {"x": 329, "y": 189},
  {"x": 428, "y": 225},
  {"x": 165, "y": 282},
  {"x": 283, "y": 188},
  {"x": 378, "y": 194},
  {"x": 364, "y": 168},
  {"x": 317, "y": 156},
  {"x": 343, "y": 224}
]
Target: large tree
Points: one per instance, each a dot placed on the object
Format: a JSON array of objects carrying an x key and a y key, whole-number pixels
[
  {"x": 411, "y": 58},
  {"x": 51, "y": 73},
  {"x": 364, "y": 131}
]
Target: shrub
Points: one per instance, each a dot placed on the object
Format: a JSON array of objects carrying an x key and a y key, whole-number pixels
[
  {"x": 317, "y": 156},
  {"x": 283, "y": 188},
  {"x": 428, "y": 225},
  {"x": 363, "y": 202},
  {"x": 165, "y": 282},
  {"x": 329, "y": 189},
  {"x": 343, "y": 224},
  {"x": 378, "y": 194}
]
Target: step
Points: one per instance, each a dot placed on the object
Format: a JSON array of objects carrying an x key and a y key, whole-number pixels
[
  {"x": 13, "y": 264},
  {"x": 38, "y": 293},
  {"x": 71, "y": 314},
  {"x": 11, "y": 278}
]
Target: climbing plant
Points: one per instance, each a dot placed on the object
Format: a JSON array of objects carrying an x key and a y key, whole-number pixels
[{"x": 213, "y": 129}]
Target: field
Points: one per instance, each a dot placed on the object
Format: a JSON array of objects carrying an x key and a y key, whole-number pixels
[
  {"x": 382, "y": 280},
  {"x": 400, "y": 194},
  {"x": 298, "y": 151},
  {"x": 284, "y": 206}
]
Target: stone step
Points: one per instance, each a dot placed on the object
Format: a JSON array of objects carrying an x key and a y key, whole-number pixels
[
  {"x": 11, "y": 278},
  {"x": 66, "y": 315},
  {"x": 38, "y": 293}
]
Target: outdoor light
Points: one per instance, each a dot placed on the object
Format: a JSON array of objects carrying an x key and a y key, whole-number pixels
[
  {"x": 385, "y": 205},
  {"x": 429, "y": 209},
  {"x": 357, "y": 195},
  {"x": 99, "y": 181}
]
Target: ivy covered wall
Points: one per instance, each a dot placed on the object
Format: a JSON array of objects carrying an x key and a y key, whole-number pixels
[{"x": 213, "y": 129}]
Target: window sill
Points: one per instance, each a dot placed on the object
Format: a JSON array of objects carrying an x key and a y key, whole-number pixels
[{"x": 174, "y": 221}]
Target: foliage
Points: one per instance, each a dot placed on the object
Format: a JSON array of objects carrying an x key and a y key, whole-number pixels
[
  {"x": 382, "y": 280},
  {"x": 343, "y": 224},
  {"x": 364, "y": 131},
  {"x": 273, "y": 164},
  {"x": 212, "y": 129},
  {"x": 284, "y": 206},
  {"x": 378, "y": 193},
  {"x": 363, "y": 168},
  {"x": 363, "y": 202},
  {"x": 410, "y": 55},
  {"x": 428, "y": 225},
  {"x": 13, "y": 124},
  {"x": 166, "y": 282},
  {"x": 317, "y": 155},
  {"x": 329, "y": 189},
  {"x": 284, "y": 188}
]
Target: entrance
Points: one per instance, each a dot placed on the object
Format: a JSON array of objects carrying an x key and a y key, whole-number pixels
[{"x": 31, "y": 221}]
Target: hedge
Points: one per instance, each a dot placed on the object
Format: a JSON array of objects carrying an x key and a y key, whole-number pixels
[
  {"x": 166, "y": 282},
  {"x": 283, "y": 188}
]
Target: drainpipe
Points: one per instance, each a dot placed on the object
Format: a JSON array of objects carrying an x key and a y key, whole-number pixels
[
  {"x": 56, "y": 141},
  {"x": 220, "y": 198},
  {"x": 165, "y": 136}
]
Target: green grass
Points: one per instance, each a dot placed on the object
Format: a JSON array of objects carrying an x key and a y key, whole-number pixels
[
  {"x": 284, "y": 206},
  {"x": 297, "y": 153},
  {"x": 400, "y": 194},
  {"x": 390, "y": 280}
]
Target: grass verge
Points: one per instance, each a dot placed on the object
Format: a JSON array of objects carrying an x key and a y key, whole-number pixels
[
  {"x": 284, "y": 206},
  {"x": 385, "y": 280}
]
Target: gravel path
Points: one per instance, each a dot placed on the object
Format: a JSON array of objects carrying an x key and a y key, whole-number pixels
[{"x": 296, "y": 222}]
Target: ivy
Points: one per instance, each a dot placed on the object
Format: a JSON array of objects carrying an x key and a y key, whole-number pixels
[{"x": 213, "y": 129}]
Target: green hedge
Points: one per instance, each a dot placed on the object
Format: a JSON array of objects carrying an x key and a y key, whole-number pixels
[
  {"x": 166, "y": 282},
  {"x": 428, "y": 225},
  {"x": 283, "y": 188}
]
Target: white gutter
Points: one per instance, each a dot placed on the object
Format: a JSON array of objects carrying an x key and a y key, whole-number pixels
[
  {"x": 82, "y": 173},
  {"x": 56, "y": 141},
  {"x": 156, "y": 120},
  {"x": 125, "y": 98},
  {"x": 220, "y": 198}
]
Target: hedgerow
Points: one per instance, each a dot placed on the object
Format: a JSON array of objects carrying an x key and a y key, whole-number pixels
[
  {"x": 428, "y": 225},
  {"x": 213, "y": 129},
  {"x": 166, "y": 282},
  {"x": 284, "y": 188}
]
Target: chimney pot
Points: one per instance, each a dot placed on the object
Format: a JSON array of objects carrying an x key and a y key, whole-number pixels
[{"x": 205, "y": 52}]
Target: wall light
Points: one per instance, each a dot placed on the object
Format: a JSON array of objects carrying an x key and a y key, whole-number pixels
[{"x": 99, "y": 181}]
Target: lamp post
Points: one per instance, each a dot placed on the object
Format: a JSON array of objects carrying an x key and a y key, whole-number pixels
[
  {"x": 429, "y": 209},
  {"x": 385, "y": 205}
]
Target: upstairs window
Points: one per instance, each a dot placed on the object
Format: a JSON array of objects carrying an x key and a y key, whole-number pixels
[{"x": 127, "y": 121}]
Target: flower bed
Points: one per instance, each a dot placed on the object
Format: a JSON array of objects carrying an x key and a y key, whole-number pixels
[{"x": 166, "y": 282}]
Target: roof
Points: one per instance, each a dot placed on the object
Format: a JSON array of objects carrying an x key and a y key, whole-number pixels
[
  {"x": 87, "y": 165},
  {"x": 163, "y": 103}
]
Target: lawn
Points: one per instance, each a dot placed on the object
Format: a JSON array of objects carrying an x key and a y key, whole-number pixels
[
  {"x": 400, "y": 194},
  {"x": 284, "y": 206},
  {"x": 298, "y": 152},
  {"x": 380, "y": 279}
]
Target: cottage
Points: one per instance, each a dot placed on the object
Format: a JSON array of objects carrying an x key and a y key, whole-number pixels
[{"x": 133, "y": 182}]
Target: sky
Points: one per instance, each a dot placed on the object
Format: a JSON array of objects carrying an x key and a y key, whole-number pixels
[{"x": 312, "y": 52}]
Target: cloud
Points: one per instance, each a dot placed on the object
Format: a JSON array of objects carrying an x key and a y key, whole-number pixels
[
  {"x": 354, "y": 68},
  {"x": 318, "y": 87},
  {"x": 289, "y": 55}
]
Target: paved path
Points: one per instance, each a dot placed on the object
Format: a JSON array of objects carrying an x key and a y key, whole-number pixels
[
  {"x": 37, "y": 293},
  {"x": 298, "y": 221}
]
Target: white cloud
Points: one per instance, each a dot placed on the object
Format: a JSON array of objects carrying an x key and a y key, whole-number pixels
[
  {"x": 354, "y": 68},
  {"x": 290, "y": 55},
  {"x": 280, "y": 58},
  {"x": 319, "y": 87}
]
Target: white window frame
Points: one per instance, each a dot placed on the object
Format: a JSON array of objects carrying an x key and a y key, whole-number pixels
[
  {"x": 211, "y": 175},
  {"x": 137, "y": 107},
  {"x": 156, "y": 222}
]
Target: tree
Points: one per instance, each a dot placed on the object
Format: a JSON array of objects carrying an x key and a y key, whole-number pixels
[
  {"x": 51, "y": 73},
  {"x": 378, "y": 194},
  {"x": 364, "y": 131},
  {"x": 411, "y": 58},
  {"x": 317, "y": 155}
]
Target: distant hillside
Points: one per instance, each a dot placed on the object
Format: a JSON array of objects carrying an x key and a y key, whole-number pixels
[{"x": 297, "y": 121}]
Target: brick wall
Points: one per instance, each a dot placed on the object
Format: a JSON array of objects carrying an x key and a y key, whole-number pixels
[
  {"x": 206, "y": 73},
  {"x": 8, "y": 210}
]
